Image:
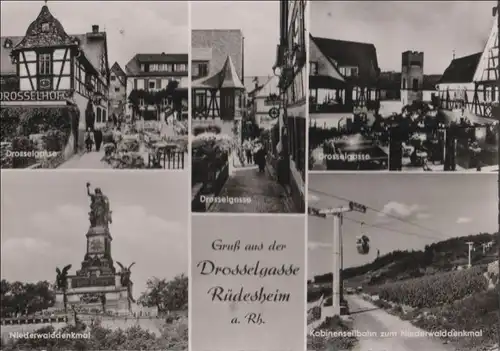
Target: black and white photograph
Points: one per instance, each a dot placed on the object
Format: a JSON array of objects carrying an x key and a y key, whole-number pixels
[
  {"x": 94, "y": 85},
  {"x": 87, "y": 256},
  {"x": 404, "y": 70},
  {"x": 394, "y": 258},
  {"x": 248, "y": 106}
]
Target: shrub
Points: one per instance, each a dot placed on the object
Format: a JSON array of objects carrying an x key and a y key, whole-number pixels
[
  {"x": 333, "y": 324},
  {"x": 212, "y": 128}
]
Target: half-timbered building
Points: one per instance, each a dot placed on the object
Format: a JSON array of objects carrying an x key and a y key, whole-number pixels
[
  {"x": 49, "y": 68},
  {"x": 148, "y": 74},
  {"x": 343, "y": 76},
  {"x": 469, "y": 84},
  {"x": 292, "y": 126},
  {"x": 217, "y": 66}
]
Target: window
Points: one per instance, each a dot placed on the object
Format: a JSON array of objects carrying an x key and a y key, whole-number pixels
[
  {"x": 151, "y": 84},
  {"x": 99, "y": 115},
  {"x": 146, "y": 68},
  {"x": 354, "y": 71},
  {"x": 117, "y": 89},
  {"x": 202, "y": 69},
  {"x": 180, "y": 67},
  {"x": 195, "y": 70},
  {"x": 313, "y": 68},
  {"x": 169, "y": 68},
  {"x": 415, "y": 84},
  {"x": 201, "y": 99},
  {"x": 45, "y": 64},
  {"x": 45, "y": 27},
  {"x": 104, "y": 116},
  {"x": 113, "y": 78}
]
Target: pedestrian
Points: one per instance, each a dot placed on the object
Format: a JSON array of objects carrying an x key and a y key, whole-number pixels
[
  {"x": 247, "y": 146},
  {"x": 89, "y": 142},
  {"x": 98, "y": 139},
  {"x": 260, "y": 158}
]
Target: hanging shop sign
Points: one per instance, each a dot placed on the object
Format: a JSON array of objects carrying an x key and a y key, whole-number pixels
[{"x": 35, "y": 95}]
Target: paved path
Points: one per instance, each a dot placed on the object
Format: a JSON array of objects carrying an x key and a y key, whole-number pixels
[
  {"x": 266, "y": 195},
  {"x": 367, "y": 317},
  {"x": 88, "y": 160}
]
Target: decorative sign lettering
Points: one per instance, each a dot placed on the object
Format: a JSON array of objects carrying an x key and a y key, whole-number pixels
[
  {"x": 35, "y": 95},
  {"x": 92, "y": 281}
]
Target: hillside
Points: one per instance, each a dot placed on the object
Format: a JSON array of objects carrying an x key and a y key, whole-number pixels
[{"x": 442, "y": 256}]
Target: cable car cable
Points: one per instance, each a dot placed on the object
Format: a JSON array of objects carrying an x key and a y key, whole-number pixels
[{"x": 378, "y": 211}]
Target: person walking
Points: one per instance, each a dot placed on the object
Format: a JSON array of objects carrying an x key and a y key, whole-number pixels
[
  {"x": 98, "y": 139},
  {"x": 89, "y": 139},
  {"x": 247, "y": 147},
  {"x": 260, "y": 158}
]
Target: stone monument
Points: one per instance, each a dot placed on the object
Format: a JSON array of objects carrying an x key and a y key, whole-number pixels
[{"x": 97, "y": 286}]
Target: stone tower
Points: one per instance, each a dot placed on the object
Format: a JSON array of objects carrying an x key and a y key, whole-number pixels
[{"x": 412, "y": 77}]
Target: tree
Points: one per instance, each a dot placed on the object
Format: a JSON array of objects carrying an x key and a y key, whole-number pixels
[
  {"x": 134, "y": 99},
  {"x": 21, "y": 298},
  {"x": 172, "y": 93},
  {"x": 166, "y": 295},
  {"x": 62, "y": 283}
]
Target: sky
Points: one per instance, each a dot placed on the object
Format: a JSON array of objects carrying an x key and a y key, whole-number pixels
[
  {"x": 45, "y": 219},
  {"x": 258, "y": 20},
  {"x": 211, "y": 321},
  {"x": 434, "y": 27},
  {"x": 132, "y": 27},
  {"x": 440, "y": 207}
]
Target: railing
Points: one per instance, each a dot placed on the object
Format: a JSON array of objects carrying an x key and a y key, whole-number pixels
[
  {"x": 34, "y": 320},
  {"x": 208, "y": 177},
  {"x": 166, "y": 159}
]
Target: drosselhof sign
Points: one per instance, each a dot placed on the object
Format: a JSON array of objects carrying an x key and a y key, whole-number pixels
[{"x": 34, "y": 95}]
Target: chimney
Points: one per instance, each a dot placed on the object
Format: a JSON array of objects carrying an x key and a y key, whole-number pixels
[{"x": 95, "y": 28}]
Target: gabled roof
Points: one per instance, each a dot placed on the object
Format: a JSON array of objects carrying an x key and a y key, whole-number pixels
[
  {"x": 225, "y": 78},
  {"x": 461, "y": 70},
  {"x": 6, "y": 65},
  {"x": 117, "y": 69},
  {"x": 269, "y": 87},
  {"x": 93, "y": 45},
  {"x": 133, "y": 67},
  {"x": 349, "y": 53},
  {"x": 35, "y": 37}
]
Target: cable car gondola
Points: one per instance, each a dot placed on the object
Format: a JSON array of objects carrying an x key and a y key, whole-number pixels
[{"x": 363, "y": 243}]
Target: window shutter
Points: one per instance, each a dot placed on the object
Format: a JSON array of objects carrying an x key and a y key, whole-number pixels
[
  {"x": 146, "y": 84},
  {"x": 135, "y": 83},
  {"x": 158, "y": 84}
]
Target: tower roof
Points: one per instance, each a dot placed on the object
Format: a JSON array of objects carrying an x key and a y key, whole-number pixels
[{"x": 225, "y": 78}]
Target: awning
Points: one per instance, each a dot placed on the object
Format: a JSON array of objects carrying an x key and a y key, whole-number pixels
[
  {"x": 325, "y": 82},
  {"x": 226, "y": 78}
]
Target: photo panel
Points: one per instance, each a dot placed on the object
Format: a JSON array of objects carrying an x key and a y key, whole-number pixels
[
  {"x": 94, "y": 260},
  {"x": 248, "y": 285},
  {"x": 362, "y": 85},
  {"x": 85, "y": 88},
  {"x": 248, "y": 111},
  {"x": 402, "y": 262}
]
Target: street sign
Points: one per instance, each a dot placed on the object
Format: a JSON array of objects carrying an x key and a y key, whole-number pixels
[
  {"x": 274, "y": 112},
  {"x": 354, "y": 206}
]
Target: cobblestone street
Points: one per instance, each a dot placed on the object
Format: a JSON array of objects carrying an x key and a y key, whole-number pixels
[{"x": 266, "y": 194}]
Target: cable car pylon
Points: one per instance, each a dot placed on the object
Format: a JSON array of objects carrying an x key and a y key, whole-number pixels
[{"x": 337, "y": 215}]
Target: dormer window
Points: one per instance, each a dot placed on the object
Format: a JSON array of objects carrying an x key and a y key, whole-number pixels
[
  {"x": 45, "y": 27},
  {"x": 7, "y": 44}
]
